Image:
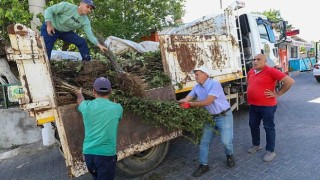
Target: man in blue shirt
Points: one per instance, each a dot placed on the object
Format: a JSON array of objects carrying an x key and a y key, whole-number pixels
[{"x": 210, "y": 95}]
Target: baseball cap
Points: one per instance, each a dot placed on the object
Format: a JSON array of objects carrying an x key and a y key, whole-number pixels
[
  {"x": 201, "y": 68},
  {"x": 89, "y": 2},
  {"x": 102, "y": 84}
]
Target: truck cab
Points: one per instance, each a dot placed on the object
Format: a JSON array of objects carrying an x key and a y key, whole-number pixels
[{"x": 258, "y": 37}]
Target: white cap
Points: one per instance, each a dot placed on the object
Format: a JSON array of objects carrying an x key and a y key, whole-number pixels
[{"x": 203, "y": 69}]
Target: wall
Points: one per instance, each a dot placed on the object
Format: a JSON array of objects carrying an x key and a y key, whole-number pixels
[{"x": 17, "y": 128}]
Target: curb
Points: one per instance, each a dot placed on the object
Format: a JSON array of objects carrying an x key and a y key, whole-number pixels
[
  {"x": 25, "y": 149},
  {"x": 10, "y": 153}
]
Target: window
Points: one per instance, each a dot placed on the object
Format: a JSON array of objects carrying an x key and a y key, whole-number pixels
[
  {"x": 294, "y": 52},
  {"x": 263, "y": 32}
]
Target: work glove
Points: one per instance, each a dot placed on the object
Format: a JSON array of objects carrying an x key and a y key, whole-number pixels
[{"x": 185, "y": 105}]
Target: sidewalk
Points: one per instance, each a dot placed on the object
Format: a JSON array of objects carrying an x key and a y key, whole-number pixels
[{"x": 26, "y": 149}]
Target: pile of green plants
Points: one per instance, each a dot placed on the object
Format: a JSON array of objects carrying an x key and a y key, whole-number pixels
[
  {"x": 148, "y": 66},
  {"x": 168, "y": 114}
]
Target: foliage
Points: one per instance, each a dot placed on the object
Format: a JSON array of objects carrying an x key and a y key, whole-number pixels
[
  {"x": 303, "y": 50},
  {"x": 274, "y": 16},
  {"x": 13, "y": 11},
  {"x": 134, "y": 19},
  {"x": 167, "y": 113},
  {"x": 149, "y": 65}
]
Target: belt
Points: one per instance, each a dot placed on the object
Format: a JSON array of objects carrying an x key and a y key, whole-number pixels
[{"x": 223, "y": 113}]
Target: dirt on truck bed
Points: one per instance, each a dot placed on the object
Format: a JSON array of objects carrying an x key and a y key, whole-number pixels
[{"x": 142, "y": 72}]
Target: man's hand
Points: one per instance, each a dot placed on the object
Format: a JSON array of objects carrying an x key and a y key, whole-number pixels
[
  {"x": 80, "y": 97},
  {"x": 270, "y": 94},
  {"x": 185, "y": 105},
  {"x": 102, "y": 48},
  {"x": 50, "y": 29}
]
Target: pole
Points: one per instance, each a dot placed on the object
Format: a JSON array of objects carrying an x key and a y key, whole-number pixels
[
  {"x": 36, "y": 7},
  {"x": 316, "y": 49}
]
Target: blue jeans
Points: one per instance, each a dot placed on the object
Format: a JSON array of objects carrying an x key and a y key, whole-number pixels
[
  {"x": 101, "y": 167},
  {"x": 266, "y": 114},
  {"x": 69, "y": 37},
  {"x": 224, "y": 124}
]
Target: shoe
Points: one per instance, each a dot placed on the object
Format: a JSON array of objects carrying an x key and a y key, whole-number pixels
[
  {"x": 201, "y": 170},
  {"x": 254, "y": 149},
  {"x": 230, "y": 161},
  {"x": 269, "y": 156}
]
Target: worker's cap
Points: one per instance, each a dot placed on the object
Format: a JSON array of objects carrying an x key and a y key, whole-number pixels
[
  {"x": 89, "y": 2},
  {"x": 102, "y": 84},
  {"x": 201, "y": 68}
]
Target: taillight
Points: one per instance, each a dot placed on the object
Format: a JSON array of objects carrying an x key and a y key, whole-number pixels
[{"x": 316, "y": 66}]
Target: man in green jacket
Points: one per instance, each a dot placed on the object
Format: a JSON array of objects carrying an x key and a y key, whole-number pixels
[{"x": 60, "y": 22}]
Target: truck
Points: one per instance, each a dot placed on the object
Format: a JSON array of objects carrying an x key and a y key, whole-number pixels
[{"x": 224, "y": 43}]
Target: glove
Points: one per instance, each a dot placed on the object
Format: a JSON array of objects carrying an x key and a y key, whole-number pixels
[{"x": 185, "y": 105}]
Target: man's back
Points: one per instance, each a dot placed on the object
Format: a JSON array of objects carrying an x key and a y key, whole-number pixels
[{"x": 101, "y": 118}]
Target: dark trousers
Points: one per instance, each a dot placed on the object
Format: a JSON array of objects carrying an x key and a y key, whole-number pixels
[
  {"x": 69, "y": 37},
  {"x": 266, "y": 114},
  {"x": 101, "y": 167}
]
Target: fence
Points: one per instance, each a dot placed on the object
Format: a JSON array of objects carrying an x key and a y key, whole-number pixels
[{"x": 303, "y": 64}]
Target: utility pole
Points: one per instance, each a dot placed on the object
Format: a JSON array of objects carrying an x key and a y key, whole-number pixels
[
  {"x": 36, "y": 7},
  {"x": 317, "y": 51}
]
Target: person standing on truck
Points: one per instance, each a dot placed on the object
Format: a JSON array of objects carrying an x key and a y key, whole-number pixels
[
  {"x": 262, "y": 99},
  {"x": 61, "y": 20},
  {"x": 211, "y": 96},
  {"x": 101, "y": 118}
]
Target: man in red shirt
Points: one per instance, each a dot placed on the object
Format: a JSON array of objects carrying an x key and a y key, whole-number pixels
[{"x": 262, "y": 98}]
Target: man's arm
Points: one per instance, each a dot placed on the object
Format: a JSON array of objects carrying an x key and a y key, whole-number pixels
[
  {"x": 186, "y": 99},
  {"x": 287, "y": 83},
  {"x": 80, "y": 97},
  {"x": 205, "y": 102},
  {"x": 87, "y": 29},
  {"x": 51, "y": 11}
]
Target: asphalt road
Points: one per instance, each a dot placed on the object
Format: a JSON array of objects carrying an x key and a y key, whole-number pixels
[{"x": 297, "y": 147}]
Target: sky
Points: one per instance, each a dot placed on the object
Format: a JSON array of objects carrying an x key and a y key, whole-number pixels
[{"x": 303, "y": 15}]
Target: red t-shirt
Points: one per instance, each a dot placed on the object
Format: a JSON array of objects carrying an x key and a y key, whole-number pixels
[{"x": 259, "y": 82}]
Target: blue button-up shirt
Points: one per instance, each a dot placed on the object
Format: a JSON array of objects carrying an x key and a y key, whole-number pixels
[{"x": 213, "y": 88}]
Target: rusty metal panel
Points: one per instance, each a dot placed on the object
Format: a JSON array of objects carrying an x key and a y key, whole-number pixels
[
  {"x": 133, "y": 135},
  {"x": 219, "y": 23},
  {"x": 34, "y": 71},
  {"x": 183, "y": 53},
  {"x": 210, "y": 41}
]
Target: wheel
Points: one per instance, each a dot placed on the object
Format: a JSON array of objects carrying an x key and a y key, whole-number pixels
[{"x": 144, "y": 161}]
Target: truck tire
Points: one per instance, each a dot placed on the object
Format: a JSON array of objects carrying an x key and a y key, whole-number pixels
[{"x": 144, "y": 161}]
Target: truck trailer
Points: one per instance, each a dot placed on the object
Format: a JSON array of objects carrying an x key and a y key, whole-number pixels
[{"x": 225, "y": 43}]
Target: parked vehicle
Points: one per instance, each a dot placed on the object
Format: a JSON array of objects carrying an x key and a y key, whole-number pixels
[
  {"x": 316, "y": 71},
  {"x": 225, "y": 44}
]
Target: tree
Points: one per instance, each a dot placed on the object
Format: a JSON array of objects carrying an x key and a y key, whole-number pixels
[
  {"x": 11, "y": 12},
  {"x": 274, "y": 16},
  {"x": 131, "y": 19}
]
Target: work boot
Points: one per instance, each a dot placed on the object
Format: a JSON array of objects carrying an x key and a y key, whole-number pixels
[
  {"x": 230, "y": 161},
  {"x": 269, "y": 156},
  {"x": 253, "y": 149},
  {"x": 201, "y": 170}
]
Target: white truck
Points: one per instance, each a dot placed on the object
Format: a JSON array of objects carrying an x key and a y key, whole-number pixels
[{"x": 225, "y": 44}]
